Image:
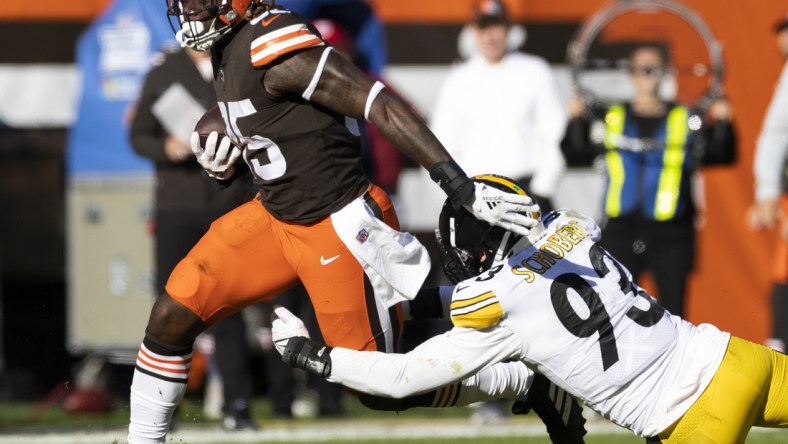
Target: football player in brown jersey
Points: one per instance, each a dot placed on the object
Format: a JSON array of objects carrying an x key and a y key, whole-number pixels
[{"x": 291, "y": 107}]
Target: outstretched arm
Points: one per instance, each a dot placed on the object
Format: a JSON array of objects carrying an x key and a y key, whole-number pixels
[
  {"x": 343, "y": 88},
  {"x": 329, "y": 80},
  {"x": 441, "y": 360}
]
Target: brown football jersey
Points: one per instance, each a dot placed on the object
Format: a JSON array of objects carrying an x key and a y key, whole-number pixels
[{"x": 306, "y": 159}]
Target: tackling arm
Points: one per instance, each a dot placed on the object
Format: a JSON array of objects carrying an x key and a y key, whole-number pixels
[
  {"x": 437, "y": 362},
  {"x": 441, "y": 360}
]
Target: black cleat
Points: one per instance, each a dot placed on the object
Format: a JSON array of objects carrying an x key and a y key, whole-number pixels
[{"x": 558, "y": 410}]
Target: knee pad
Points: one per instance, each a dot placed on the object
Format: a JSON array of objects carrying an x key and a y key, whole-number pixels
[{"x": 191, "y": 283}]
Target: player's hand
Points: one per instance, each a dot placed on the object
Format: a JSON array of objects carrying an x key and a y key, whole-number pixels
[
  {"x": 284, "y": 326},
  {"x": 514, "y": 212},
  {"x": 219, "y": 160}
]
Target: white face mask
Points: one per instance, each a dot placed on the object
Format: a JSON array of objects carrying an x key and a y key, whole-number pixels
[{"x": 193, "y": 34}]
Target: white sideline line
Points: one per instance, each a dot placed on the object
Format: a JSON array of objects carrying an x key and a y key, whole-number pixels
[{"x": 346, "y": 431}]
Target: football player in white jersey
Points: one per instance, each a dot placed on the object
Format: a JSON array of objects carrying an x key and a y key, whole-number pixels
[{"x": 560, "y": 304}]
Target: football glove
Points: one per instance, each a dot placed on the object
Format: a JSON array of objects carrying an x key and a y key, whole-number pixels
[
  {"x": 514, "y": 212},
  {"x": 219, "y": 161},
  {"x": 302, "y": 353},
  {"x": 285, "y": 326}
]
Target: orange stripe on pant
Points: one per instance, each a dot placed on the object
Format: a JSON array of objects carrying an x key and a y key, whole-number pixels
[{"x": 248, "y": 256}]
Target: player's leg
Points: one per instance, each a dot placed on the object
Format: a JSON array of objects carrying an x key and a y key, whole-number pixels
[
  {"x": 559, "y": 411},
  {"x": 347, "y": 311},
  {"x": 775, "y": 411},
  {"x": 733, "y": 401},
  {"x": 162, "y": 370},
  {"x": 236, "y": 263}
]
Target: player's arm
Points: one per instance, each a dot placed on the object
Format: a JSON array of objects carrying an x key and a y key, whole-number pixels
[
  {"x": 343, "y": 88},
  {"x": 330, "y": 80},
  {"x": 435, "y": 363},
  {"x": 440, "y": 360},
  {"x": 320, "y": 75}
]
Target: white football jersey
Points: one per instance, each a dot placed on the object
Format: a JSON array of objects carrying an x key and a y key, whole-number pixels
[
  {"x": 563, "y": 306},
  {"x": 585, "y": 325}
]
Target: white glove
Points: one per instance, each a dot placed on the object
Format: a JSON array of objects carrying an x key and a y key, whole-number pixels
[
  {"x": 514, "y": 212},
  {"x": 215, "y": 161},
  {"x": 286, "y": 325}
]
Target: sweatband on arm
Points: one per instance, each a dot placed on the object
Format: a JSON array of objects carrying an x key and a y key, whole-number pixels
[
  {"x": 316, "y": 77},
  {"x": 373, "y": 93}
]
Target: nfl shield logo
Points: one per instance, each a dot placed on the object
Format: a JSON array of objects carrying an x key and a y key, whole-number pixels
[{"x": 362, "y": 236}]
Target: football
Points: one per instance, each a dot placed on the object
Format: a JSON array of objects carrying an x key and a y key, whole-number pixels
[{"x": 209, "y": 122}]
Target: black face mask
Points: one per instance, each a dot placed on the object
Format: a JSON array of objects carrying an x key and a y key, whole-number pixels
[{"x": 458, "y": 264}]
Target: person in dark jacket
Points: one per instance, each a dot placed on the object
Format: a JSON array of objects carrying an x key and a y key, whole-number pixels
[
  {"x": 186, "y": 202},
  {"x": 651, "y": 150}
]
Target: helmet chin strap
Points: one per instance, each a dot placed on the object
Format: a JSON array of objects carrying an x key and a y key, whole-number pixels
[{"x": 502, "y": 250}]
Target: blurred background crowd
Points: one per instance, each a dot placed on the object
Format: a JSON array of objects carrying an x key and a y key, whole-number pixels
[{"x": 100, "y": 193}]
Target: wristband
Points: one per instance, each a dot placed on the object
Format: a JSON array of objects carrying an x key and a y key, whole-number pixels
[
  {"x": 302, "y": 353},
  {"x": 454, "y": 182}
]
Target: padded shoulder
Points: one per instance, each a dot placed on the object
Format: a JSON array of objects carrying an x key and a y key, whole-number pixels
[
  {"x": 472, "y": 310},
  {"x": 279, "y": 32}
]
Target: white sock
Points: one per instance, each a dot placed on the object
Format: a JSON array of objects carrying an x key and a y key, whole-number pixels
[{"x": 157, "y": 388}]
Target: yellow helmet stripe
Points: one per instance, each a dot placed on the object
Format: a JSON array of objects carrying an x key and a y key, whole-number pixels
[{"x": 503, "y": 181}]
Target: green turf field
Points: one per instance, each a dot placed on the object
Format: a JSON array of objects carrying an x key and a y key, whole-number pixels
[{"x": 22, "y": 423}]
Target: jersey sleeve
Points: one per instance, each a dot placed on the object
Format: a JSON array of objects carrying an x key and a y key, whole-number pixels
[
  {"x": 438, "y": 361},
  {"x": 279, "y": 33},
  {"x": 474, "y": 309}
]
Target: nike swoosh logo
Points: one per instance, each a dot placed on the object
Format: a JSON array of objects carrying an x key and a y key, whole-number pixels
[
  {"x": 329, "y": 260},
  {"x": 270, "y": 20}
]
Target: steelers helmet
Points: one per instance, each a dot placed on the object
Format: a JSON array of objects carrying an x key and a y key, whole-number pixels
[
  {"x": 469, "y": 246},
  {"x": 201, "y": 23}
]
